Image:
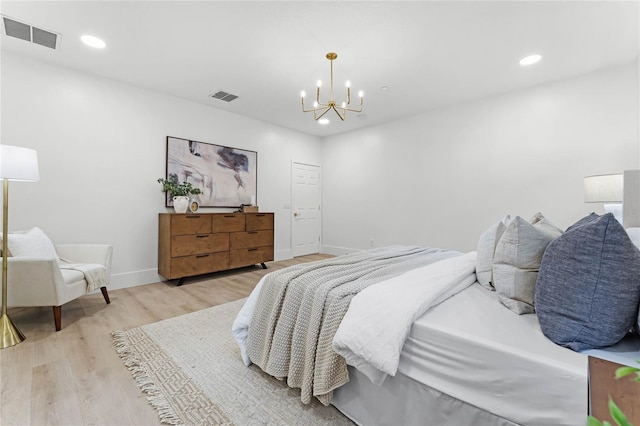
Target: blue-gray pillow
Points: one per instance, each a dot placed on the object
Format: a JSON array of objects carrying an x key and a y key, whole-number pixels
[{"x": 588, "y": 286}]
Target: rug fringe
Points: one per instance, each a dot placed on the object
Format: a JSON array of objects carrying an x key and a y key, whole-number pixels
[{"x": 146, "y": 384}]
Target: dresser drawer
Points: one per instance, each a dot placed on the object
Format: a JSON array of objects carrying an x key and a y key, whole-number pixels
[
  {"x": 199, "y": 264},
  {"x": 184, "y": 224},
  {"x": 259, "y": 221},
  {"x": 228, "y": 222},
  {"x": 184, "y": 245},
  {"x": 251, "y": 256},
  {"x": 250, "y": 239}
]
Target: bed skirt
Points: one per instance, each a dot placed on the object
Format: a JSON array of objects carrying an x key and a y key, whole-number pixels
[{"x": 403, "y": 401}]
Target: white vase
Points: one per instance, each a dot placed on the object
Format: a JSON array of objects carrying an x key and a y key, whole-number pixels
[{"x": 181, "y": 204}]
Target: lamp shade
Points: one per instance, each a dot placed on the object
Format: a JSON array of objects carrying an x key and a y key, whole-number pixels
[
  {"x": 18, "y": 163},
  {"x": 631, "y": 198},
  {"x": 603, "y": 188}
]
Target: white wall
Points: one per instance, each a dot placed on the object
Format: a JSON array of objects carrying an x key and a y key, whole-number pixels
[
  {"x": 436, "y": 179},
  {"x": 101, "y": 147},
  {"x": 441, "y": 178}
]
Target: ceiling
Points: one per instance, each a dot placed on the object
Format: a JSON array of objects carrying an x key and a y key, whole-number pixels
[{"x": 429, "y": 54}]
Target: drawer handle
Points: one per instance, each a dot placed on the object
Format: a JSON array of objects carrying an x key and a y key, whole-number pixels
[
  {"x": 229, "y": 215},
  {"x": 191, "y": 216},
  {"x": 260, "y": 215},
  {"x": 252, "y": 232},
  {"x": 202, "y": 236},
  {"x": 253, "y": 249},
  {"x": 202, "y": 255}
]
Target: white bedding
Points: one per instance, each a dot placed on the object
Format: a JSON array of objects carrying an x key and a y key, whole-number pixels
[
  {"x": 375, "y": 327},
  {"x": 467, "y": 345},
  {"x": 240, "y": 327},
  {"x": 473, "y": 348}
]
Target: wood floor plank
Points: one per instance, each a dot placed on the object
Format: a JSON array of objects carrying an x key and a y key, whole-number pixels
[
  {"x": 74, "y": 376},
  {"x": 15, "y": 383},
  {"x": 55, "y": 400}
]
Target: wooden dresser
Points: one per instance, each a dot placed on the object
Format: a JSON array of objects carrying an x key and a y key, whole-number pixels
[{"x": 200, "y": 243}]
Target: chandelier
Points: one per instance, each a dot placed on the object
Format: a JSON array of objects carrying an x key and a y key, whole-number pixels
[{"x": 320, "y": 109}]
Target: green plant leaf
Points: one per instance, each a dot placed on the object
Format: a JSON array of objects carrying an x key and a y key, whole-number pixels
[
  {"x": 625, "y": 371},
  {"x": 174, "y": 188},
  {"x": 617, "y": 415},
  {"x": 592, "y": 421}
]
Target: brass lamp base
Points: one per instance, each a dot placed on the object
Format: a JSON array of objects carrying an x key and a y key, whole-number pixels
[{"x": 11, "y": 336}]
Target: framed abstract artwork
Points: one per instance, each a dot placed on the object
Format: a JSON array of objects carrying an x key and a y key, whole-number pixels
[{"x": 226, "y": 176}]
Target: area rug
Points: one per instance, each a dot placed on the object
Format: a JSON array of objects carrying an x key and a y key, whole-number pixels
[{"x": 191, "y": 371}]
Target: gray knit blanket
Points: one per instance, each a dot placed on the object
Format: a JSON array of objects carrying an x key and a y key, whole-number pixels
[{"x": 300, "y": 308}]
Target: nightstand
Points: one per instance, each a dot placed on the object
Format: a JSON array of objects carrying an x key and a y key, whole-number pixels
[{"x": 603, "y": 383}]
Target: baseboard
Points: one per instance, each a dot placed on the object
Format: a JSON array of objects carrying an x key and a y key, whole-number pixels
[
  {"x": 337, "y": 250},
  {"x": 133, "y": 279}
]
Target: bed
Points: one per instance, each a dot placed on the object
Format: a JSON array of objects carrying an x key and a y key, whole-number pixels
[{"x": 414, "y": 335}]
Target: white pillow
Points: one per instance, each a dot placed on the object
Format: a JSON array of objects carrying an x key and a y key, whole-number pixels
[
  {"x": 485, "y": 251},
  {"x": 34, "y": 243},
  {"x": 517, "y": 260}
]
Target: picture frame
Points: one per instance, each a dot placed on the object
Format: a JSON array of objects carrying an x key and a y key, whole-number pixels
[{"x": 226, "y": 176}]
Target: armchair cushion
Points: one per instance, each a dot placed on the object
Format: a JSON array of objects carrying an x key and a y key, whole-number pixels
[{"x": 34, "y": 244}]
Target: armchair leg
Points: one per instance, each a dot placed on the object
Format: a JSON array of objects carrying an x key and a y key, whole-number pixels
[
  {"x": 105, "y": 294},
  {"x": 57, "y": 317}
]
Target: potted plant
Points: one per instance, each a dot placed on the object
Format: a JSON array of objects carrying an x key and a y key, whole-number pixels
[{"x": 179, "y": 192}]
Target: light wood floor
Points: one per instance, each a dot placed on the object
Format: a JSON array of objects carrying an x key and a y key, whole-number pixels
[{"x": 74, "y": 376}]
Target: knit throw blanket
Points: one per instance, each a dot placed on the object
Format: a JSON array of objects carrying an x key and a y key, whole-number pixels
[
  {"x": 94, "y": 274},
  {"x": 300, "y": 308}
]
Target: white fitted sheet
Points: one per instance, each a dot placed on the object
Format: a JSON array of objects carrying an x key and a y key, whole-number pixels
[{"x": 476, "y": 350}]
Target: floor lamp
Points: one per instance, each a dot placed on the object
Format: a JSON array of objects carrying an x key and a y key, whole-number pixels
[{"x": 19, "y": 164}]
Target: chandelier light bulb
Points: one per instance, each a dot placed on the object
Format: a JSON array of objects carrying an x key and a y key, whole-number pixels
[
  {"x": 303, "y": 94},
  {"x": 361, "y": 94},
  {"x": 348, "y": 83},
  {"x": 319, "y": 84},
  {"x": 315, "y": 104},
  {"x": 344, "y": 105}
]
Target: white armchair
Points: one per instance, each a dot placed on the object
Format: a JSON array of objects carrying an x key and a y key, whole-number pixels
[{"x": 41, "y": 282}]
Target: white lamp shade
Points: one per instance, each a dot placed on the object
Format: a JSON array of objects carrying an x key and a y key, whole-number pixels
[
  {"x": 604, "y": 188},
  {"x": 18, "y": 163},
  {"x": 632, "y": 199}
]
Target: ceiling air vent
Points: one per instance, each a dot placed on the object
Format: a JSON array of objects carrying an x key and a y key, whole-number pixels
[
  {"x": 26, "y": 32},
  {"x": 224, "y": 96}
]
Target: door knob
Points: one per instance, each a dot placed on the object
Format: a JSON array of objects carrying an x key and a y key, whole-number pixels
[{"x": 295, "y": 215}]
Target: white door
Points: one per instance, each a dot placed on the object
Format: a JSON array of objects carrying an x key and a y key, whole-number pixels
[{"x": 306, "y": 209}]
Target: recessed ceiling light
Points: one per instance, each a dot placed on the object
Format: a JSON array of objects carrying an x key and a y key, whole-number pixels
[
  {"x": 530, "y": 60},
  {"x": 93, "y": 41},
  {"x": 324, "y": 121}
]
